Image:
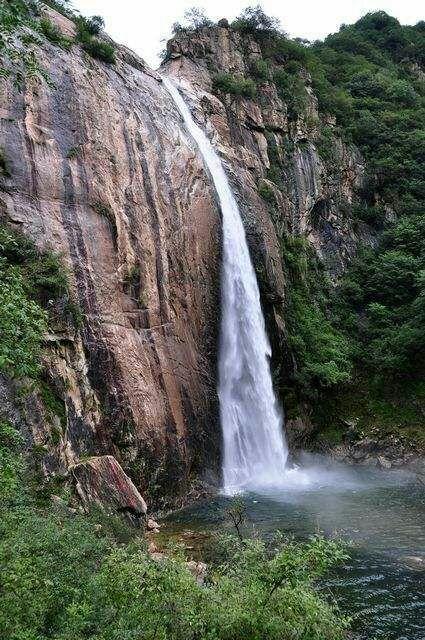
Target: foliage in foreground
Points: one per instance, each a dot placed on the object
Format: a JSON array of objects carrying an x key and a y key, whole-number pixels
[
  {"x": 63, "y": 577},
  {"x": 60, "y": 579}
]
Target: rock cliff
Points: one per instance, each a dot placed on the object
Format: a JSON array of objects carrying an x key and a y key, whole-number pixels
[
  {"x": 258, "y": 133},
  {"x": 102, "y": 172}
]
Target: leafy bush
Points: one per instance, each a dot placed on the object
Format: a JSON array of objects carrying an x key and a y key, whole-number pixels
[
  {"x": 100, "y": 49},
  {"x": 74, "y": 577},
  {"x": 61, "y": 579},
  {"x": 292, "y": 91},
  {"x": 254, "y": 21},
  {"x": 266, "y": 191},
  {"x": 30, "y": 280},
  {"x": 91, "y": 26},
  {"x": 87, "y": 29},
  {"x": 11, "y": 464},
  {"x": 22, "y": 325},
  {"x": 53, "y": 33},
  {"x": 17, "y": 54},
  {"x": 234, "y": 85},
  {"x": 260, "y": 69},
  {"x": 321, "y": 351}
]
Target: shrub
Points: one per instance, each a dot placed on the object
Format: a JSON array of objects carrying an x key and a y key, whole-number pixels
[
  {"x": 91, "y": 26},
  {"x": 254, "y": 21},
  {"x": 53, "y": 33},
  {"x": 87, "y": 29},
  {"x": 234, "y": 85},
  {"x": 100, "y": 49},
  {"x": 62, "y": 579},
  {"x": 30, "y": 280},
  {"x": 19, "y": 59},
  {"x": 11, "y": 464},
  {"x": 266, "y": 191},
  {"x": 291, "y": 90},
  {"x": 22, "y": 325},
  {"x": 322, "y": 352},
  {"x": 260, "y": 69}
]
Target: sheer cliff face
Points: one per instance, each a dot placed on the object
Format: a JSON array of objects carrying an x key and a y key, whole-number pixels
[{"x": 102, "y": 173}]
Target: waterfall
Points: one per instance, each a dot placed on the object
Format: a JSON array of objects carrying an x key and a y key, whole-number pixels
[{"x": 254, "y": 448}]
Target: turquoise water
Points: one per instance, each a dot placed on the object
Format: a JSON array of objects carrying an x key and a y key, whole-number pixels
[{"x": 382, "y": 586}]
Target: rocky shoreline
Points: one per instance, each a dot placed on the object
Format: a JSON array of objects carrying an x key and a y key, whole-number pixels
[{"x": 387, "y": 453}]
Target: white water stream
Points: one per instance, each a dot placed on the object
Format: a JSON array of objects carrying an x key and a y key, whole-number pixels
[{"x": 255, "y": 450}]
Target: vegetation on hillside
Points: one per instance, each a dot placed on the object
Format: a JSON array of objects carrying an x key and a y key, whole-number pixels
[
  {"x": 23, "y": 25},
  {"x": 31, "y": 284}
]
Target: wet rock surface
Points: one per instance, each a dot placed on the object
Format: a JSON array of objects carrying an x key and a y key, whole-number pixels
[{"x": 387, "y": 453}]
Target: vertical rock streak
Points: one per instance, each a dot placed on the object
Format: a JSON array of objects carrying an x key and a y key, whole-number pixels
[{"x": 255, "y": 451}]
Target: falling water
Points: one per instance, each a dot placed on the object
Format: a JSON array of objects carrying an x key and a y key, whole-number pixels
[{"x": 255, "y": 451}]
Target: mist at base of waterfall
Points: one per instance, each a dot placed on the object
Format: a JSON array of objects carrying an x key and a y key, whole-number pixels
[{"x": 312, "y": 472}]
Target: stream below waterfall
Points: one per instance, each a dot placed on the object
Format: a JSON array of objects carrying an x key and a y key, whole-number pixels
[{"x": 382, "y": 585}]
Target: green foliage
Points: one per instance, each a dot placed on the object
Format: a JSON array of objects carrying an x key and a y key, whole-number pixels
[
  {"x": 52, "y": 403},
  {"x": 260, "y": 69},
  {"x": 376, "y": 408},
  {"x": 60, "y": 578},
  {"x": 100, "y": 49},
  {"x": 87, "y": 29},
  {"x": 234, "y": 85},
  {"x": 20, "y": 22},
  {"x": 53, "y": 33},
  {"x": 326, "y": 144},
  {"x": 30, "y": 280},
  {"x": 11, "y": 465},
  {"x": 266, "y": 191},
  {"x": 74, "y": 577},
  {"x": 22, "y": 325},
  {"x": 387, "y": 285},
  {"x": 367, "y": 77},
  {"x": 321, "y": 351},
  {"x": 17, "y": 53},
  {"x": 255, "y": 22},
  {"x": 292, "y": 91},
  {"x": 91, "y": 26}
]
